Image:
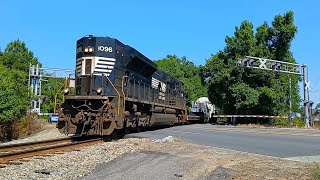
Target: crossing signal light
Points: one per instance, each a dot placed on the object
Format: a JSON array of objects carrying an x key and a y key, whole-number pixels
[
  {"x": 249, "y": 62},
  {"x": 276, "y": 66},
  {"x": 44, "y": 98}
]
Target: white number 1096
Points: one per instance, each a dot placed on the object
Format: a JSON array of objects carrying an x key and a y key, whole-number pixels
[{"x": 105, "y": 49}]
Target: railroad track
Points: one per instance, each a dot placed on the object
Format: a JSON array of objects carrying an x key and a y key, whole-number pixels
[
  {"x": 22, "y": 146},
  {"x": 15, "y": 153}
]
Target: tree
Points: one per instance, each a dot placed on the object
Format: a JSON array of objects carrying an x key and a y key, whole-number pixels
[
  {"x": 13, "y": 94},
  {"x": 14, "y": 66},
  {"x": 50, "y": 88},
  {"x": 238, "y": 90},
  {"x": 14, "y": 100},
  {"x": 187, "y": 73},
  {"x": 17, "y": 56}
]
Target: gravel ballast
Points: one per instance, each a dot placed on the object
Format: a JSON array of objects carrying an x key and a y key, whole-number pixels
[
  {"x": 70, "y": 165},
  {"x": 167, "y": 158}
]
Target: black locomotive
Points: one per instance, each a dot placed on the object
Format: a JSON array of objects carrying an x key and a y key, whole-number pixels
[{"x": 117, "y": 89}]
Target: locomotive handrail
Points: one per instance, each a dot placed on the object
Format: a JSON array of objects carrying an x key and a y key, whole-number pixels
[
  {"x": 122, "y": 88},
  {"x": 116, "y": 92}
]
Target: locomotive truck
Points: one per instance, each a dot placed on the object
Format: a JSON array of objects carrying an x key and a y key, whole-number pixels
[{"x": 118, "y": 89}]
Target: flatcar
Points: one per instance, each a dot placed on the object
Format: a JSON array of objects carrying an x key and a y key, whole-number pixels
[{"x": 118, "y": 89}]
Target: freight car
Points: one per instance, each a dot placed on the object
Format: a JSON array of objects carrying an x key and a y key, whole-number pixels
[{"x": 118, "y": 89}]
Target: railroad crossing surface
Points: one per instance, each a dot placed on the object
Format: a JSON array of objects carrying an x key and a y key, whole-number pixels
[{"x": 298, "y": 144}]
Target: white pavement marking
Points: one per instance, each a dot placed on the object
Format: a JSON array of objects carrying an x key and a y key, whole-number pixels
[
  {"x": 186, "y": 132},
  {"x": 262, "y": 131},
  {"x": 307, "y": 159}
]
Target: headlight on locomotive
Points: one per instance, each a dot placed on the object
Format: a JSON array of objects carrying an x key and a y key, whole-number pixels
[
  {"x": 66, "y": 91},
  {"x": 99, "y": 91},
  {"x": 88, "y": 49}
]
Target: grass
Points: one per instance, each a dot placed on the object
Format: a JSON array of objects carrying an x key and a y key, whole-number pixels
[
  {"x": 316, "y": 173},
  {"x": 252, "y": 125},
  {"x": 282, "y": 123},
  {"x": 26, "y": 126}
]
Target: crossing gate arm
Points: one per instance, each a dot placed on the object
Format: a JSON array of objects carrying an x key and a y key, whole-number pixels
[{"x": 248, "y": 116}]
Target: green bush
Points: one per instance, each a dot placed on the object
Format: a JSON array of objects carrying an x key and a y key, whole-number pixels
[
  {"x": 298, "y": 123},
  {"x": 280, "y": 122}
]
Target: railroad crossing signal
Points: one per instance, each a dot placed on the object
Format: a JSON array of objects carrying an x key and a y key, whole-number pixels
[
  {"x": 36, "y": 73},
  {"x": 282, "y": 67},
  {"x": 307, "y": 85},
  {"x": 263, "y": 64},
  {"x": 271, "y": 65}
]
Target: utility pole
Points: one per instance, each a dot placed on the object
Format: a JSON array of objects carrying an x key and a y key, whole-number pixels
[
  {"x": 306, "y": 96},
  {"x": 283, "y": 67},
  {"x": 290, "y": 103},
  {"x": 35, "y": 86}
]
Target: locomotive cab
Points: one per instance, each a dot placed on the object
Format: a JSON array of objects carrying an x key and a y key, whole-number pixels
[{"x": 95, "y": 59}]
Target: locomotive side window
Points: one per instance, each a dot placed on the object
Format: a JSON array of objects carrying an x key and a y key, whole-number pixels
[{"x": 88, "y": 66}]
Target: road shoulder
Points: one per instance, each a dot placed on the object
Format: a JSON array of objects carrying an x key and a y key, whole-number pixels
[{"x": 180, "y": 160}]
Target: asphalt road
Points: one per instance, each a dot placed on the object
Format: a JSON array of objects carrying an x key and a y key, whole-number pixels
[
  {"x": 147, "y": 165},
  {"x": 285, "y": 143}
]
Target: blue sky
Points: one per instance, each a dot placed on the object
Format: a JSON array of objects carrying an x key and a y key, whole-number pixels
[{"x": 194, "y": 29}]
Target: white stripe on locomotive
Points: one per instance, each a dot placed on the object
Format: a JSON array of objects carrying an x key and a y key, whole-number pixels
[{"x": 99, "y": 65}]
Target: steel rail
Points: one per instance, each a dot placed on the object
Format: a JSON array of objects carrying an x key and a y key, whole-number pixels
[
  {"x": 7, "y": 157},
  {"x": 13, "y": 147}
]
